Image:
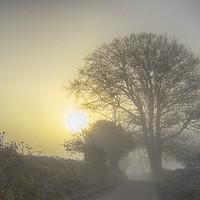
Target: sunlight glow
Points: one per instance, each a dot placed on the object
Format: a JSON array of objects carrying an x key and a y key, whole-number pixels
[{"x": 76, "y": 121}]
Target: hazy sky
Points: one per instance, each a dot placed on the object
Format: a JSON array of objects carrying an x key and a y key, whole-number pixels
[{"x": 43, "y": 42}]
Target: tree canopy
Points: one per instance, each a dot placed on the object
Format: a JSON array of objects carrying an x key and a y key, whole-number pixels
[
  {"x": 102, "y": 141},
  {"x": 151, "y": 81}
]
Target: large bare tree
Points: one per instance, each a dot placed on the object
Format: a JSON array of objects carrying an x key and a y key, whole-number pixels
[{"x": 153, "y": 82}]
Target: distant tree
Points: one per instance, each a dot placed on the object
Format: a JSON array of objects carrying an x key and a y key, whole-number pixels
[
  {"x": 103, "y": 141},
  {"x": 153, "y": 80}
]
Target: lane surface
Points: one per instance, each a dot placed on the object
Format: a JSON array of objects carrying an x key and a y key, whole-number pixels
[{"x": 130, "y": 190}]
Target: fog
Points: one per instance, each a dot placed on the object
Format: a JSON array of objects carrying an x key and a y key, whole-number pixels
[{"x": 136, "y": 165}]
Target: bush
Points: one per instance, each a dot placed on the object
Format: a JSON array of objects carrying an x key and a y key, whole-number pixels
[
  {"x": 182, "y": 184},
  {"x": 28, "y": 177}
]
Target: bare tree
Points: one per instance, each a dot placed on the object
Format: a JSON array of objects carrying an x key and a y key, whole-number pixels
[{"x": 152, "y": 80}]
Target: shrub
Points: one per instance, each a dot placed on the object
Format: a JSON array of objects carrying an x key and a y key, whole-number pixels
[{"x": 29, "y": 177}]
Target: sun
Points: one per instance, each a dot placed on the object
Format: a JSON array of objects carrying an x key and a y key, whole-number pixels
[{"x": 76, "y": 121}]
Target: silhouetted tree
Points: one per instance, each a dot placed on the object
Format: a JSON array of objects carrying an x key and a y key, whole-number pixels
[
  {"x": 80, "y": 142},
  {"x": 77, "y": 143},
  {"x": 113, "y": 139},
  {"x": 152, "y": 79},
  {"x": 103, "y": 141}
]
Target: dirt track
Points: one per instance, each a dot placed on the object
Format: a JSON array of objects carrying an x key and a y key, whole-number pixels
[{"x": 130, "y": 190}]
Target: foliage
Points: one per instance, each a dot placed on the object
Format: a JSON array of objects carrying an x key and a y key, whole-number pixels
[
  {"x": 194, "y": 160},
  {"x": 28, "y": 177},
  {"x": 185, "y": 148},
  {"x": 2, "y": 138},
  {"x": 77, "y": 143},
  {"x": 150, "y": 80},
  {"x": 18, "y": 147},
  {"x": 112, "y": 138},
  {"x": 182, "y": 184},
  {"x": 103, "y": 141}
]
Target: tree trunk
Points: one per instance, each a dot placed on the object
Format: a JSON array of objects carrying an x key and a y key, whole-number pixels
[
  {"x": 155, "y": 159},
  {"x": 114, "y": 164}
]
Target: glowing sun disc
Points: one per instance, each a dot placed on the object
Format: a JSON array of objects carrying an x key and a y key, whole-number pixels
[{"x": 76, "y": 121}]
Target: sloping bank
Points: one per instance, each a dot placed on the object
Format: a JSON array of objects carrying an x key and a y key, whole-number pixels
[
  {"x": 30, "y": 177},
  {"x": 181, "y": 184}
]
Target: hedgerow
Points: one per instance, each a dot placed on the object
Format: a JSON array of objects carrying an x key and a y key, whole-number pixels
[{"x": 30, "y": 177}]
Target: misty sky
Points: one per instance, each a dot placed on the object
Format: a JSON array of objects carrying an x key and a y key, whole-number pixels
[{"x": 43, "y": 43}]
